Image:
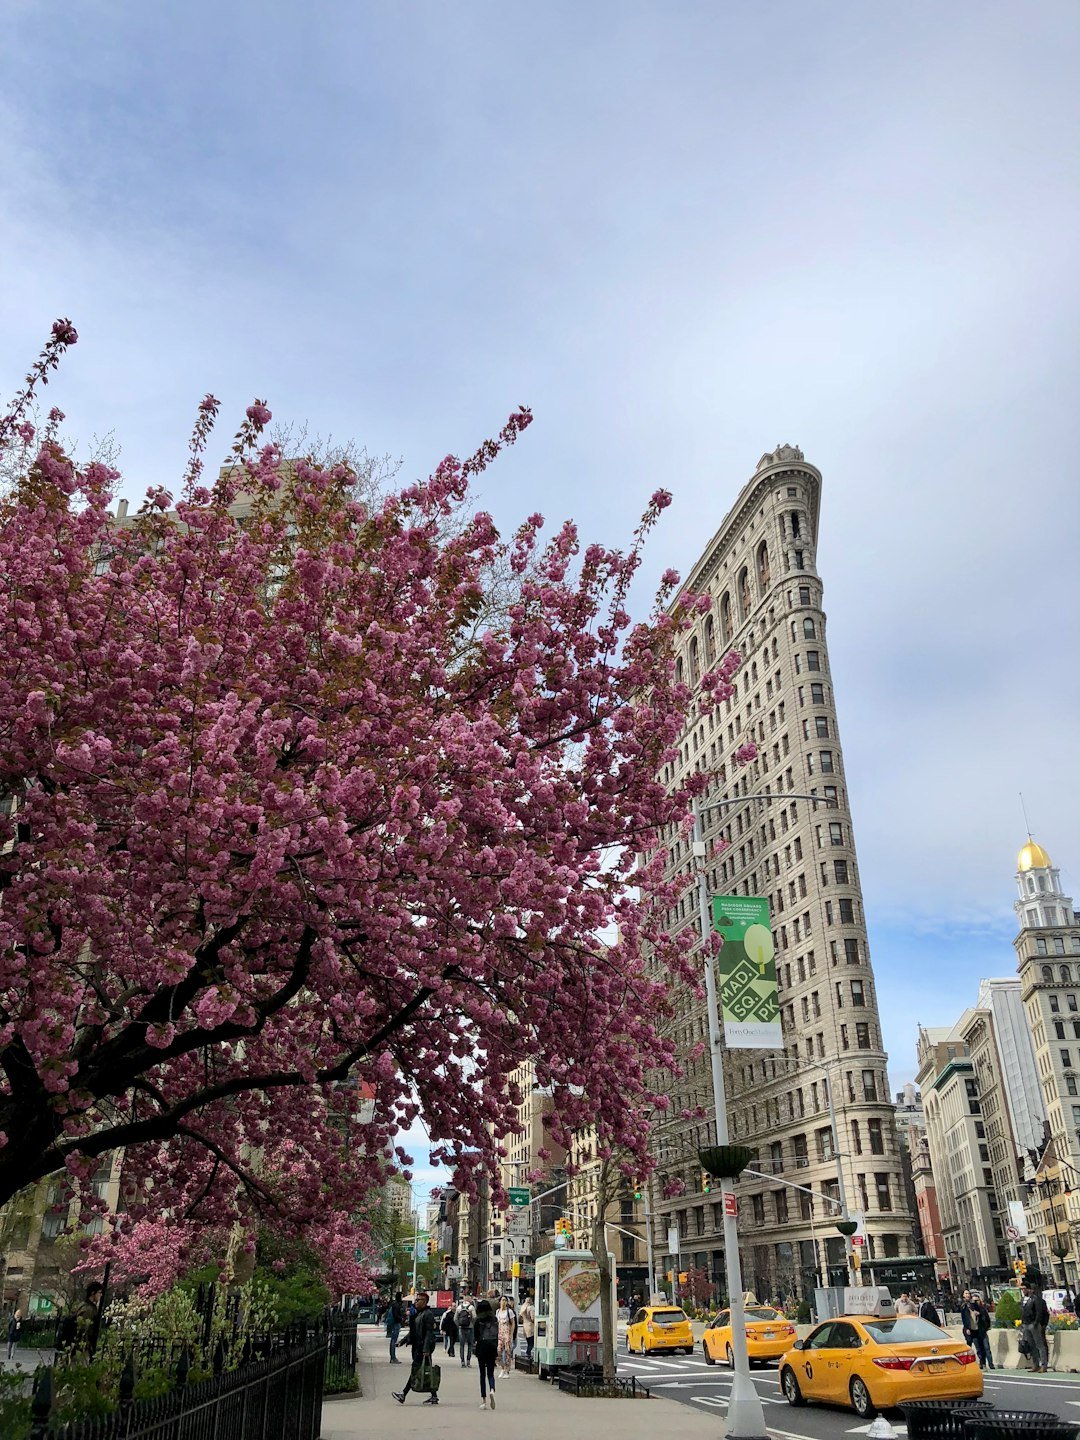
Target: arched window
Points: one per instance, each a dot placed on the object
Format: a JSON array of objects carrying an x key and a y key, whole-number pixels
[
  {"x": 796, "y": 528},
  {"x": 1066, "y": 975},
  {"x": 725, "y": 618},
  {"x": 763, "y": 567},
  {"x": 695, "y": 667},
  {"x": 710, "y": 642},
  {"x": 1047, "y": 975},
  {"x": 744, "y": 593},
  {"x": 808, "y": 629},
  {"x": 679, "y": 671},
  {"x": 1031, "y": 884}
]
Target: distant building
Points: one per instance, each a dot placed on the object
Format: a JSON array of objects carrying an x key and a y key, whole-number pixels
[{"x": 1048, "y": 961}]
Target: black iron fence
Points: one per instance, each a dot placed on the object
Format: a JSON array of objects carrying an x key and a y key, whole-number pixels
[{"x": 275, "y": 1393}]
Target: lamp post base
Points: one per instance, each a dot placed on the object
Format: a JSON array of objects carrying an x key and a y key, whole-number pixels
[{"x": 746, "y": 1414}]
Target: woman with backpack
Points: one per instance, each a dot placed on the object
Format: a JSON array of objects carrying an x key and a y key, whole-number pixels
[{"x": 486, "y": 1332}]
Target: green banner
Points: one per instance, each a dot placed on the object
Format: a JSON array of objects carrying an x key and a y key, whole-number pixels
[{"x": 749, "y": 1003}]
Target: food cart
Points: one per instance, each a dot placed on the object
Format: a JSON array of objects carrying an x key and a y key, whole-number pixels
[{"x": 567, "y": 1307}]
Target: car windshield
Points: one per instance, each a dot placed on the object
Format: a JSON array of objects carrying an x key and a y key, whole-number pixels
[
  {"x": 668, "y": 1317},
  {"x": 904, "y": 1330},
  {"x": 763, "y": 1315}
]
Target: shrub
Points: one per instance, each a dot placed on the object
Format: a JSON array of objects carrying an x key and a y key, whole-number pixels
[{"x": 1007, "y": 1311}]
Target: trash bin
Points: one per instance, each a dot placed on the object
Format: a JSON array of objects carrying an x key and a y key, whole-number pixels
[
  {"x": 941, "y": 1419},
  {"x": 1019, "y": 1425}
]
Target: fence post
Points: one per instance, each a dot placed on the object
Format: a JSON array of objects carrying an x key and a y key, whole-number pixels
[{"x": 41, "y": 1403}]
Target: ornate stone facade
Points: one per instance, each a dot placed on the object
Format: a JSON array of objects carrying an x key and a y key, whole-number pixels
[{"x": 760, "y": 573}]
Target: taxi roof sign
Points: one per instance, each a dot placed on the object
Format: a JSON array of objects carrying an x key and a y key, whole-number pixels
[{"x": 870, "y": 1300}]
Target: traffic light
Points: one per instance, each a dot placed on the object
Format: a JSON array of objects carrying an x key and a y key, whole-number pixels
[
  {"x": 562, "y": 1226},
  {"x": 431, "y": 1249},
  {"x": 706, "y": 1181},
  {"x": 637, "y": 1192},
  {"x": 683, "y": 1277}
]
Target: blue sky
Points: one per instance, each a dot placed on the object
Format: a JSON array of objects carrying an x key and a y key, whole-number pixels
[{"x": 682, "y": 233}]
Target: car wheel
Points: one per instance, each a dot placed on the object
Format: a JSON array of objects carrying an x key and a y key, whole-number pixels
[
  {"x": 860, "y": 1398},
  {"x": 709, "y": 1360},
  {"x": 790, "y": 1386},
  {"x": 730, "y": 1358}
]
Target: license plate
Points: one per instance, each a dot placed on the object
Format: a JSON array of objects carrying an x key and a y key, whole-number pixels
[
  {"x": 768, "y": 1335},
  {"x": 935, "y": 1365}
]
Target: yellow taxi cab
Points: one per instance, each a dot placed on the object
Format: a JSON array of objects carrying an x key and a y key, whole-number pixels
[
  {"x": 769, "y": 1335},
  {"x": 875, "y": 1362},
  {"x": 659, "y": 1327}
]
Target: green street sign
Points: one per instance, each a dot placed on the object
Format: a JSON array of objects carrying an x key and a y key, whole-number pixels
[{"x": 519, "y": 1197}]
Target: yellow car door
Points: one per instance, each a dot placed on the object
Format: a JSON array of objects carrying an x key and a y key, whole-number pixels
[
  {"x": 844, "y": 1346},
  {"x": 635, "y": 1330},
  {"x": 717, "y": 1334},
  {"x": 811, "y": 1363}
]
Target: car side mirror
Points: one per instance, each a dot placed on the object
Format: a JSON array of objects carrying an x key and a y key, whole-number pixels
[{"x": 798, "y": 1345}]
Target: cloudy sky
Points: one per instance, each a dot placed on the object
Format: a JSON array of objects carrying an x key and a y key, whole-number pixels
[{"x": 682, "y": 233}]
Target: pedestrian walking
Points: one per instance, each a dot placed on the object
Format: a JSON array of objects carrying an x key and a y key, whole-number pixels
[
  {"x": 449, "y": 1327},
  {"x": 981, "y": 1335},
  {"x": 423, "y": 1338},
  {"x": 507, "y": 1329},
  {"x": 528, "y": 1325},
  {"x": 465, "y": 1317},
  {"x": 395, "y": 1319},
  {"x": 1034, "y": 1319},
  {"x": 929, "y": 1311},
  {"x": 13, "y": 1328},
  {"x": 486, "y": 1330},
  {"x": 906, "y": 1306}
]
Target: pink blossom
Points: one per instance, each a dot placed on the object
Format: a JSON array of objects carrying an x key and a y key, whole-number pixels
[{"x": 258, "y": 414}]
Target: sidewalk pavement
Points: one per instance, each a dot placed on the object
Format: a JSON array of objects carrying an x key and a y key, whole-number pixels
[{"x": 525, "y": 1407}]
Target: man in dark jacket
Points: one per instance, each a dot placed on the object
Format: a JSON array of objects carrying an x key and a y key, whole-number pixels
[
  {"x": 423, "y": 1338},
  {"x": 1034, "y": 1319}
]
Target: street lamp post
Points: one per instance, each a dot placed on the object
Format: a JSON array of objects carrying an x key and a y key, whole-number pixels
[{"x": 746, "y": 1415}]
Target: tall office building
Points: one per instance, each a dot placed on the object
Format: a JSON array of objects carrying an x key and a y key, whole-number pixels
[{"x": 760, "y": 574}]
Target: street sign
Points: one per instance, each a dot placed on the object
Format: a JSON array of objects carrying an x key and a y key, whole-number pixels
[
  {"x": 731, "y": 1204},
  {"x": 859, "y": 1238},
  {"x": 673, "y": 1240},
  {"x": 1011, "y": 1232},
  {"x": 517, "y": 1223},
  {"x": 519, "y": 1197}
]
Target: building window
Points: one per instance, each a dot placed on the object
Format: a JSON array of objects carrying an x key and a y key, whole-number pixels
[
  {"x": 862, "y": 1035},
  {"x": 796, "y": 523},
  {"x": 877, "y": 1140},
  {"x": 780, "y": 1201},
  {"x": 1055, "y": 1004},
  {"x": 851, "y": 952},
  {"x": 847, "y": 912},
  {"x": 1047, "y": 974},
  {"x": 813, "y": 660},
  {"x": 744, "y": 593},
  {"x": 869, "y": 1087},
  {"x": 844, "y": 1045},
  {"x": 1066, "y": 1061},
  {"x": 836, "y": 833},
  {"x": 826, "y": 762},
  {"x": 800, "y": 563},
  {"x": 817, "y": 693},
  {"x": 1040, "y": 949},
  {"x": 1059, "y": 1029},
  {"x": 1066, "y": 975},
  {"x": 884, "y": 1197},
  {"x": 856, "y": 1138},
  {"x": 857, "y": 997},
  {"x": 763, "y": 567},
  {"x": 725, "y": 618},
  {"x": 804, "y": 594},
  {"x": 808, "y": 629},
  {"x": 1070, "y": 1084},
  {"x": 824, "y": 1144},
  {"x": 1070, "y": 1003},
  {"x": 759, "y": 1210}
]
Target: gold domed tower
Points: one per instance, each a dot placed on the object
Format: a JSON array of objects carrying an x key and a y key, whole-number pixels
[{"x": 1033, "y": 857}]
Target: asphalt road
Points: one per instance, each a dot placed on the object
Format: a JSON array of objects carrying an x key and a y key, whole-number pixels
[{"x": 688, "y": 1379}]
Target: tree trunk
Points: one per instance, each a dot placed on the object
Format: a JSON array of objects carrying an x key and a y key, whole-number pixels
[{"x": 607, "y": 1309}]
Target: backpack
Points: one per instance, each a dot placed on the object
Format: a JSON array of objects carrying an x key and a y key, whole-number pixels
[
  {"x": 464, "y": 1317},
  {"x": 487, "y": 1331}
]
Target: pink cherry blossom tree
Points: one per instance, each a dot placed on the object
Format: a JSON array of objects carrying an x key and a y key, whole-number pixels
[{"x": 278, "y": 816}]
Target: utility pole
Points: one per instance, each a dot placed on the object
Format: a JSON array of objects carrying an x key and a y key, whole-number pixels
[
  {"x": 415, "y": 1248},
  {"x": 839, "y": 1173}
]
